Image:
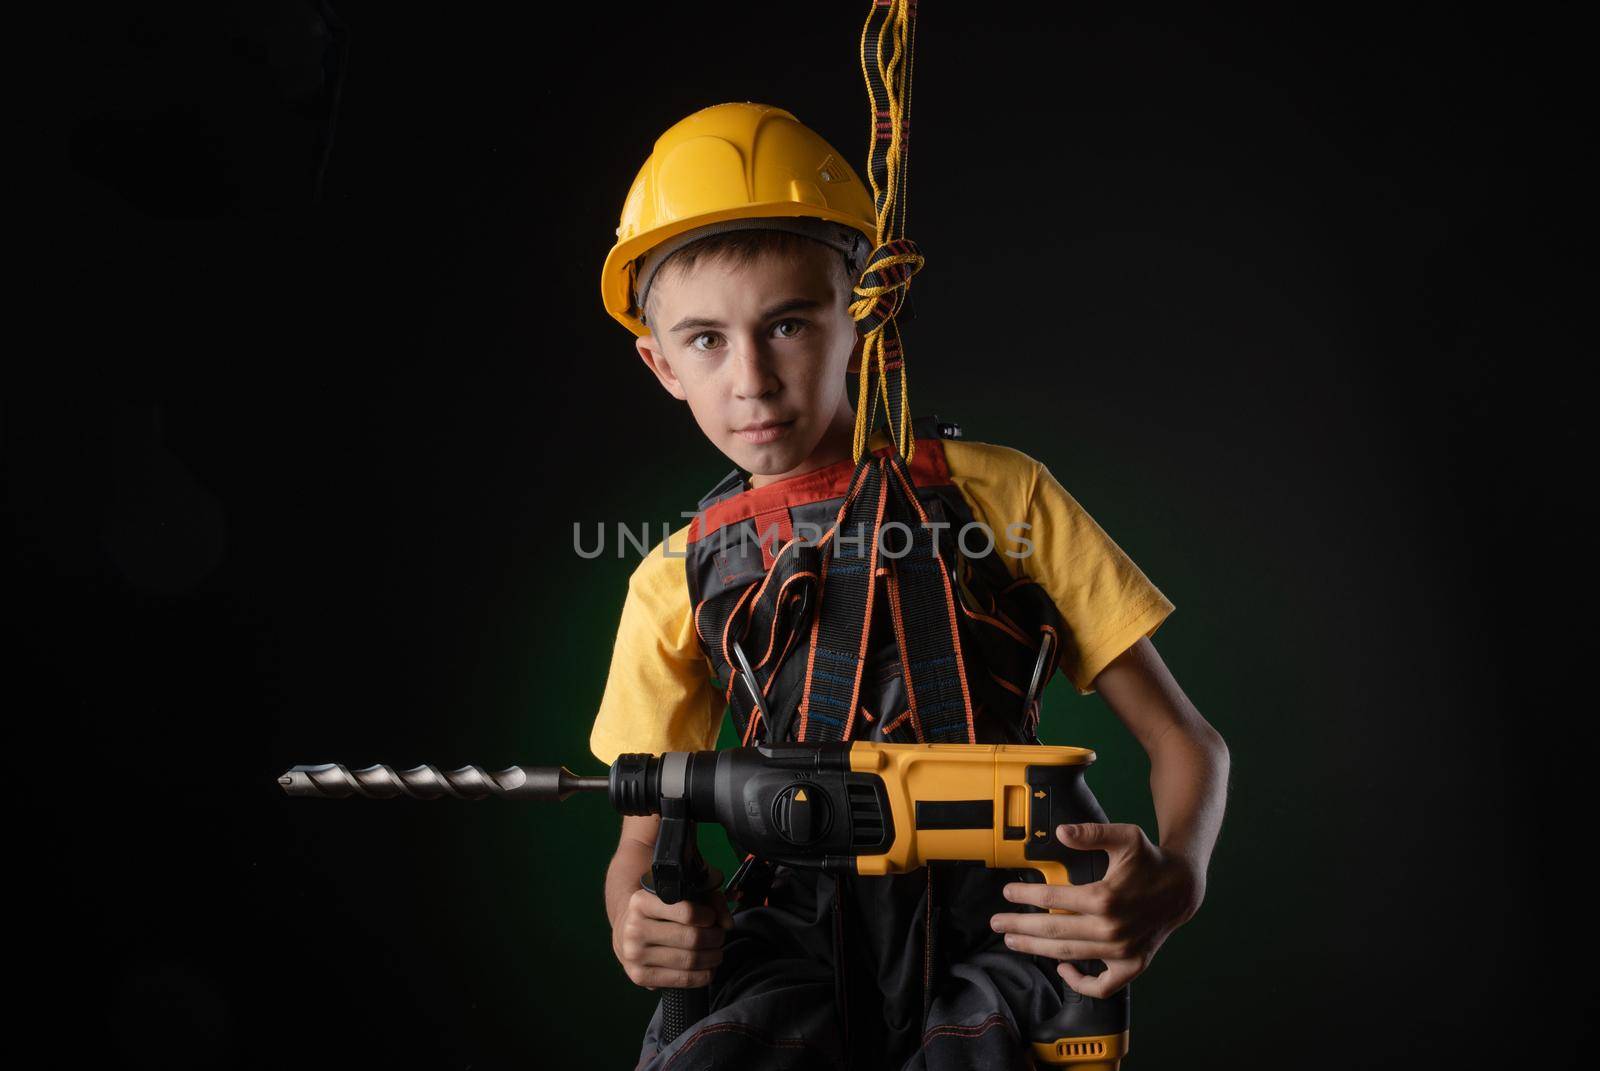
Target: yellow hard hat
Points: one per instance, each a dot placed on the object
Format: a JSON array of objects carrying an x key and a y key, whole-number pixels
[{"x": 726, "y": 167}]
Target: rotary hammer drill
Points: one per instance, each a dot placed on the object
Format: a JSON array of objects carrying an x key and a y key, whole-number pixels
[{"x": 854, "y": 807}]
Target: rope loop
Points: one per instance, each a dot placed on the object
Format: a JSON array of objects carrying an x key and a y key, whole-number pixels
[{"x": 884, "y": 283}]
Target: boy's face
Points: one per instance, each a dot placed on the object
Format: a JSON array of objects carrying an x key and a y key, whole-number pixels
[{"x": 769, "y": 342}]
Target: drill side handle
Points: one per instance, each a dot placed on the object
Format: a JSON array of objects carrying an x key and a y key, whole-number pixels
[{"x": 678, "y": 872}]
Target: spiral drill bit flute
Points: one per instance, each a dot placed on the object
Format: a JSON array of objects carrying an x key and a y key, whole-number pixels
[
  {"x": 853, "y": 807},
  {"x": 332, "y": 782}
]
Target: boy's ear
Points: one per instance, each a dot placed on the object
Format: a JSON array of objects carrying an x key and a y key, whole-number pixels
[
  {"x": 649, "y": 350},
  {"x": 854, "y": 366}
]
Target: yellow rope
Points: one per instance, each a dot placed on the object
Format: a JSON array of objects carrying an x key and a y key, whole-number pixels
[
  {"x": 891, "y": 220},
  {"x": 873, "y": 355}
]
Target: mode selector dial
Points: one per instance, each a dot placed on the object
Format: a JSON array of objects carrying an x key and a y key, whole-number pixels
[{"x": 801, "y": 813}]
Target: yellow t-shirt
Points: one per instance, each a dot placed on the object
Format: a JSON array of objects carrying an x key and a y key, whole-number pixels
[{"x": 658, "y": 694}]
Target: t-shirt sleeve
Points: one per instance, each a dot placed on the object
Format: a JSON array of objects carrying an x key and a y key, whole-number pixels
[
  {"x": 1106, "y": 600},
  {"x": 658, "y": 695}
]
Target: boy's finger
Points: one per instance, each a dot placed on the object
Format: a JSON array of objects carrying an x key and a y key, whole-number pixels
[
  {"x": 681, "y": 959},
  {"x": 1057, "y": 927},
  {"x": 702, "y": 915},
  {"x": 660, "y": 978},
  {"x": 1106, "y": 836},
  {"x": 1118, "y": 973},
  {"x": 1044, "y": 946},
  {"x": 1081, "y": 929},
  {"x": 1079, "y": 898},
  {"x": 678, "y": 912},
  {"x": 685, "y": 912},
  {"x": 677, "y": 935}
]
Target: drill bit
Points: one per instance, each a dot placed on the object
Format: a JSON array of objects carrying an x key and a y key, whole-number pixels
[{"x": 332, "y": 781}]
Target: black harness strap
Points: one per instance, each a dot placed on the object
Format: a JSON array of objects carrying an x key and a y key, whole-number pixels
[
  {"x": 764, "y": 620},
  {"x": 923, "y": 604},
  {"x": 844, "y": 609},
  {"x": 922, "y": 607}
]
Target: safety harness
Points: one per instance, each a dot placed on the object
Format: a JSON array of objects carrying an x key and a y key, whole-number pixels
[{"x": 842, "y": 604}]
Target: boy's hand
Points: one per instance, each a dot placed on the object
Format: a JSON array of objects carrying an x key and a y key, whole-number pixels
[
  {"x": 1121, "y": 919},
  {"x": 674, "y": 945}
]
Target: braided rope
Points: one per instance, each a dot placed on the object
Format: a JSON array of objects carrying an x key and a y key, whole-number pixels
[{"x": 884, "y": 283}]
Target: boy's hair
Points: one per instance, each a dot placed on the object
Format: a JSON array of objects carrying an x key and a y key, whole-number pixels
[{"x": 742, "y": 248}]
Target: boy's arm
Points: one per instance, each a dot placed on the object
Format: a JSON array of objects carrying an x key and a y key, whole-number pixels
[
  {"x": 1148, "y": 890},
  {"x": 1188, "y": 758},
  {"x": 634, "y": 850},
  {"x": 675, "y": 945}
]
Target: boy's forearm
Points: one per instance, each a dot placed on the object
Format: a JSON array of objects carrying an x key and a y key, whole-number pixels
[
  {"x": 1189, "y": 785},
  {"x": 628, "y": 865}
]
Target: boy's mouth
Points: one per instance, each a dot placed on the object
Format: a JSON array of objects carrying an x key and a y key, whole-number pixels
[{"x": 764, "y": 432}]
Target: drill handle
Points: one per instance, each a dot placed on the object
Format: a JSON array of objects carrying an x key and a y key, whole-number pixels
[
  {"x": 1085, "y": 1027},
  {"x": 677, "y": 873}
]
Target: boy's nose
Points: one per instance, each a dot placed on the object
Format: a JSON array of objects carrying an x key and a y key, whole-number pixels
[{"x": 754, "y": 376}]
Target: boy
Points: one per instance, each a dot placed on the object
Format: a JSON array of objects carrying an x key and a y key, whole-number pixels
[{"x": 736, "y": 271}]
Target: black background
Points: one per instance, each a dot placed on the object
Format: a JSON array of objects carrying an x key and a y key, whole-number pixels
[{"x": 1286, "y": 298}]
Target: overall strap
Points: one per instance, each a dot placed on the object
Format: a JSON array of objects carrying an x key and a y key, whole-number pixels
[{"x": 727, "y": 487}]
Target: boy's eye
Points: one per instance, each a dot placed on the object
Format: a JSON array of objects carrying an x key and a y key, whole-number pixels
[{"x": 796, "y": 327}]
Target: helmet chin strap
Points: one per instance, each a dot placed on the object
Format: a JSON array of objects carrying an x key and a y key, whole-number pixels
[{"x": 886, "y": 59}]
